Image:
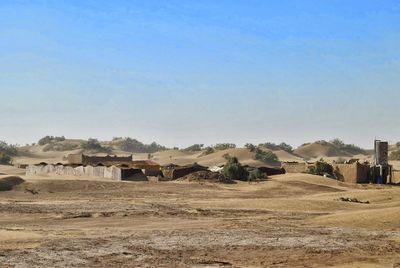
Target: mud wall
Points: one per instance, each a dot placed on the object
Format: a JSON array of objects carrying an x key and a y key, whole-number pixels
[
  {"x": 75, "y": 159},
  {"x": 81, "y": 159},
  {"x": 396, "y": 176},
  {"x": 352, "y": 173},
  {"x": 114, "y": 173},
  {"x": 290, "y": 167}
]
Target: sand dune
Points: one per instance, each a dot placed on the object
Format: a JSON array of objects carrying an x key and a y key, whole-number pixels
[
  {"x": 177, "y": 157},
  {"x": 319, "y": 150},
  {"x": 287, "y": 157}
]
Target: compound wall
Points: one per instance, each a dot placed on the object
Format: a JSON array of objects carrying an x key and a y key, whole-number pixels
[{"x": 114, "y": 173}]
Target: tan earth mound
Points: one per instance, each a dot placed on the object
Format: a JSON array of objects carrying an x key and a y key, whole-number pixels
[
  {"x": 206, "y": 176},
  {"x": 9, "y": 182},
  {"x": 177, "y": 157},
  {"x": 319, "y": 149},
  {"x": 287, "y": 157}
]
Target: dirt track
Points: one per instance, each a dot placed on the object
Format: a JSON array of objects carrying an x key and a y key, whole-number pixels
[{"x": 289, "y": 221}]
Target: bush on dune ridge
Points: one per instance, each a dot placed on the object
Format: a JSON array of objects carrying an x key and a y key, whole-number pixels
[
  {"x": 94, "y": 145},
  {"x": 134, "y": 146},
  {"x": 7, "y": 151}
]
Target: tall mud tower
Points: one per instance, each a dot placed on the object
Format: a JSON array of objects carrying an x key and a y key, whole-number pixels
[
  {"x": 381, "y": 153},
  {"x": 381, "y": 171}
]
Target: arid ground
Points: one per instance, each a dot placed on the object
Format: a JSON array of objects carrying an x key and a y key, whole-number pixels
[{"x": 293, "y": 220}]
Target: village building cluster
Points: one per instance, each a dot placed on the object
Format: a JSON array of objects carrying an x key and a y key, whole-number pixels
[
  {"x": 125, "y": 168},
  {"x": 353, "y": 171}
]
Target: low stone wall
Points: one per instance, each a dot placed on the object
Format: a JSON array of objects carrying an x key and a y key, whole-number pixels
[{"x": 112, "y": 172}]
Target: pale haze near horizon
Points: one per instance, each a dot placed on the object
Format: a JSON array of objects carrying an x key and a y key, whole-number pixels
[{"x": 184, "y": 72}]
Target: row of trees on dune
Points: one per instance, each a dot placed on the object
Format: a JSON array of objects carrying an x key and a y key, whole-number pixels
[
  {"x": 349, "y": 148},
  {"x": 263, "y": 151},
  {"x": 54, "y": 143},
  {"x": 275, "y": 147},
  {"x": 133, "y": 145},
  {"x": 210, "y": 149},
  {"x": 57, "y": 143}
]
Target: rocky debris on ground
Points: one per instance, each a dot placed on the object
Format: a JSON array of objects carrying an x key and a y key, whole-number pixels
[
  {"x": 354, "y": 200},
  {"x": 206, "y": 176},
  {"x": 32, "y": 191}
]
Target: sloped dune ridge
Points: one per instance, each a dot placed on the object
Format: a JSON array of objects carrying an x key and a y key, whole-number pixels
[{"x": 319, "y": 150}]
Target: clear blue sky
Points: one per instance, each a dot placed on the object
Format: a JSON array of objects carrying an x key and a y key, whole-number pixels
[{"x": 183, "y": 72}]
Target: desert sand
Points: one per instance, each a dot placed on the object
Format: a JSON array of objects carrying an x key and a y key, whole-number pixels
[{"x": 292, "y": 220}]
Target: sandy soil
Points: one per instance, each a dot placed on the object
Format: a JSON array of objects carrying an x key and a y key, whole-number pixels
[{"x": 292, "y": 220}]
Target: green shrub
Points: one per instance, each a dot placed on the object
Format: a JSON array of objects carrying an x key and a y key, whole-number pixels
[
  {"x": 272, "y": 146},
  {"x": 224, "y": 146},
  {"x": 4, "y": 158},
  {"x": 132, "y": 145},
  {"x": 265, "y": 156},
  {"x": 256, "y": 174},
  {"x": 250, "y": 147},
  {"x": 320, "y": 168},
  {"x": 234, "y": 170},
  {"x": 7, "y": 151},
  {"x": 48, "y": 139},
  {"x": 94, "y": 145},
  {"x": 8, "y": 148},
  {"x": 349, "y": 148},
  {"x": 194, "y": 148}
]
